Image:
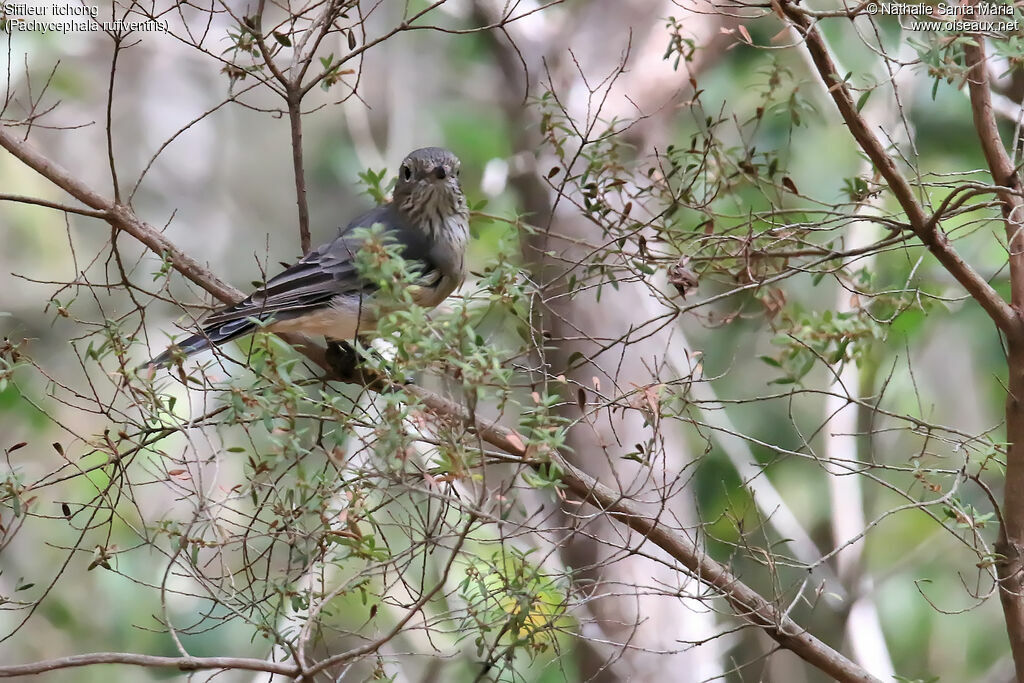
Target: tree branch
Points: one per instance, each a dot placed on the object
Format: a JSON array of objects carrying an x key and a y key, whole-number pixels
[
  {"x": 294, "y": 100},
  {"x": 119, "y": 216},
  {"x": 1010, "y": 543},
  {"x": 21, "y": 199},
  {"x": 999, "y": 163},
  {"x": 110, "y": 114},
  {"x": 746, "y": 603},
  {"x": 924, "y": 227},
  {"x": 293, "y": 93},
  {"x": 123, "y": 218},
  {"x": 151, "y": 661}
]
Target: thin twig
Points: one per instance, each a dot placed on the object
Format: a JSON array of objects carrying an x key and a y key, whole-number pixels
[
  {"x": 150, "y": 661},
  {"x": 21, "y": 199}
]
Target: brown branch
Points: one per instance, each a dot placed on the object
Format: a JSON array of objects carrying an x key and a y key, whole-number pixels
[
  {"x": 124, "y": 219},
  {"x": 1000, "y": 165},
  {"x": 926, "y": 229},
  {"x": 21, "y": 199},
  {"x": 293, "y": 93},
  {"x": 746, "y": 603},
  {"x": 294, "y": 100},
  {"x": 110, "y": 113},
  {"x": 180, "y": 663},
  {"x": 119, "y": 216},
  {"x": 1010, "y": 543}
]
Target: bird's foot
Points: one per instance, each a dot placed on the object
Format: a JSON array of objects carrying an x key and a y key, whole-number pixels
[{"x": 345, "y": 361}]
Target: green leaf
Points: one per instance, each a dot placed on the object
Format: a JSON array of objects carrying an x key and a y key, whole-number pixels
[{"x": 862, "y": 100}]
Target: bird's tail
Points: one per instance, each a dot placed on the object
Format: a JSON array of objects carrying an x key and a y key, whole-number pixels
[{"x": 211, "y": 336}]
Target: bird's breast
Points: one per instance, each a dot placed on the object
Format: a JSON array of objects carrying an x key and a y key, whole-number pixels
[{"x": 340, "y": 320}]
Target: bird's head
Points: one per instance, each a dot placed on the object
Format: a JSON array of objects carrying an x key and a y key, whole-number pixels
[{"x": 428, "y": 184}]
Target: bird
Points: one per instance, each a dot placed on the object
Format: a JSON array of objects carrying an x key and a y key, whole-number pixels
[{"x": 324, "y": 294}]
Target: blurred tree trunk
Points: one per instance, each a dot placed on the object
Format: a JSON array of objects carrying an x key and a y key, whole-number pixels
[{"x": 638, "y": 607}]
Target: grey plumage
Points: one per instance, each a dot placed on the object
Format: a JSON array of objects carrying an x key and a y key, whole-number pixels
[{"x": 323, "y": 293}]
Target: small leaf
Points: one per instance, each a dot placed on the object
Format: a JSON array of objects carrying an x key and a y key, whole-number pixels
[
  {"x": 282, "y": 38},
  {"x": 862, "y": 100}
]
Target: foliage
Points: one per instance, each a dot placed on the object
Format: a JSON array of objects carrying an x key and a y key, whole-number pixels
[{"x": 724, "y": 307}]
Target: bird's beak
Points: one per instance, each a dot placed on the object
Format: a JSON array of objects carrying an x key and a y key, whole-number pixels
[{"x": 439, "y": 172}]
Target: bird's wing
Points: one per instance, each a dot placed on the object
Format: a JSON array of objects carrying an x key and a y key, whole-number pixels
[{"x": 326, "y": 272}]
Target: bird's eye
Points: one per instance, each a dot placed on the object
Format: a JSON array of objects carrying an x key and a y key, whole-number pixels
[
  {"x": 406, "y": 173},
  {"x": 458, "y": 172}
]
